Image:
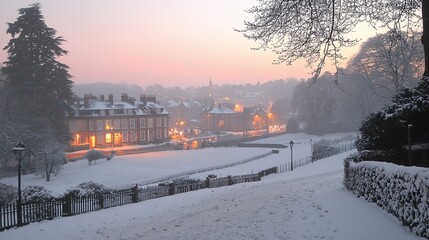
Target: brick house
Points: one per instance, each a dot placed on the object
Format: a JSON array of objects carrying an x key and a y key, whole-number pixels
[
  {"x": 221, "y": 118},
  {"x": 102, "y": 123}
]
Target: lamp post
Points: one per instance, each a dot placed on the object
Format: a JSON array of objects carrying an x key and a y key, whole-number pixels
[
  {"x": 409, "y": 143},
  {"x": 19, "y": 151},
  {"x": 268, "y": 128},
  {"x": 268, "y": 123},
  {"x": 291, "y": 154}
]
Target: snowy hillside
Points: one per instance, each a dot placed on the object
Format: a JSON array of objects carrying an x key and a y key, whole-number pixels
[{"x": 308, "y": 203}]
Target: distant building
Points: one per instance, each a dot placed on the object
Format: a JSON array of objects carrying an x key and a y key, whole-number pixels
[
  {"x": 103, "y": 123},
  {"x": 184, "y": 112},
  {"x": 221, "y": 118}
]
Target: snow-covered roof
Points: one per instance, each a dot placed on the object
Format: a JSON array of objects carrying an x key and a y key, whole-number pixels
[
  {"x": 219, "y": 109},
  {"x": 174, "y": 104},
  {"x": 123, "y": 105},
  {"x": 139, "y": 108},
  {"x": 156, "y": 106},
  {"x": 96, "y": 105}
]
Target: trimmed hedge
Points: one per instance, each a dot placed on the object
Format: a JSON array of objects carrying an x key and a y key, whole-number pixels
[{"x": 402, "y": 191}]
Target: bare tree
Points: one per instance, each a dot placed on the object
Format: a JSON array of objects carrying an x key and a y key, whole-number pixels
[
  {"x": 388, "y": 64},
  {"x": 317, "y": 30},
  {"x": 316, "y": 107},
  {"x": 49, "y": 157}
]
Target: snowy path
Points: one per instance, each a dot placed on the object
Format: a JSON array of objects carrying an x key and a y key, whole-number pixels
[
  {"x": 298, "y": 209},
  {"x": 309, "y": 203}
]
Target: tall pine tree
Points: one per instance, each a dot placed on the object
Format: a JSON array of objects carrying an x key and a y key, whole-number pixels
[{"x": 41, "y": 83}]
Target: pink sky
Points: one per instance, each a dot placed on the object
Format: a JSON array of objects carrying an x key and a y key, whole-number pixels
[{"x": 169, "y": 42}]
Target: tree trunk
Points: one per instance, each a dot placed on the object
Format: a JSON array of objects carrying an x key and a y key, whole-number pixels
[{"x": 425, "y": 36}]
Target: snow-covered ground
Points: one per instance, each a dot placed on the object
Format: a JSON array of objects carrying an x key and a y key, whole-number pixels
[
  {"x": 308, "y": 203},
  {"x": 128, "y": 170}
]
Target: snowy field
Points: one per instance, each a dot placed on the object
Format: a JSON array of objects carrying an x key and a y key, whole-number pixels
[
  {"x": 308, "y": 203},
  {"x": 138, "y": 168}
]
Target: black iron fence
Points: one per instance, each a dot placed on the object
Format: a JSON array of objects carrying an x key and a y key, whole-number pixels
[{"x": 70, "y": 205}]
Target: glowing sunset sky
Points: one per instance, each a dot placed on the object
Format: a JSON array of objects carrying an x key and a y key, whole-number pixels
[{"x": 145, "y": 42}]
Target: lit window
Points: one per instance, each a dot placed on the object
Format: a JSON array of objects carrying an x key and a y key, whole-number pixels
[{"x": 108, "y": 138}]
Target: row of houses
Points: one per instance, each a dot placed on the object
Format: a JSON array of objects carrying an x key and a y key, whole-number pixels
[
  {"x": 222, "y": 118},
  {"x": 102, "y": 122}
]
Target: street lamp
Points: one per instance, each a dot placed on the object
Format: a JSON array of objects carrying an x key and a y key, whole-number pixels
[
  {"x": 268, "y": 122},
  {"x": 19, "y": 151},
  {"x": 409, "y": 143},
  {"x": 291, "y": 154}
]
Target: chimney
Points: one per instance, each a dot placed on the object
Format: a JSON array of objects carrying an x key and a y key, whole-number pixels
[
  {"x": 151, "y": 98},
  {"x": 111, "y": 99},
  {"x": 143, "y": 99},
  {"x": 131, "y": 100},
  {"x": 124, "y": 97},
  {"x": 86, "y": 101}
]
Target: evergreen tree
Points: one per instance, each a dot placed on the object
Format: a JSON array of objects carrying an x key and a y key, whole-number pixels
[
  {"x": 41, "y": 83},
  {"x": 292, "y": 126},
  {"x": 384, "y": 133}
]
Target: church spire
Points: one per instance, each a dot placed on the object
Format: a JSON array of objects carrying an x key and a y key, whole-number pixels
[{"x": 210, "y": 88}]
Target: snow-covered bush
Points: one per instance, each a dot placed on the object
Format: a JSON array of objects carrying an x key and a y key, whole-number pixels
[
  {"x": 323, "y": 149},
  {"x": 292, "y": 126},
  {"x": 36, "y": 194},
  {"x": 402, "y": 191},
  {"x": 8, "y": 193},
  {"x": 110, "y": 156},
  {"x": 385, "y": 132},
  {"x": 93, "y": 155},
  {"x": 86, "y": 189},
  {"x": 184, "y": 181}
]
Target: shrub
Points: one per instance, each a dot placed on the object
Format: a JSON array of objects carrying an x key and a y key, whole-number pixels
[
  {"x": 8, "y": 193},
  {"x": 402, "y": 191},
  {"x": 93, "y": 155},
  {"x": 385, "y": 132},
  {"x": 110, "y": 156},
  {"x": 87, "y": 188},
  {"x": 35, "y": 194},
  {"x": 292, "y": 126},
  {"x": 323, "y": 149}
]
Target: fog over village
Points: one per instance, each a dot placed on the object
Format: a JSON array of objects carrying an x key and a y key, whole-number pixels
[{"x": 257, "y": 120}]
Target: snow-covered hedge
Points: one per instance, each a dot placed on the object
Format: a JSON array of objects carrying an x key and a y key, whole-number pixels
[
  {"x": 36, "y": 194},
  {"x": 86, "y": 189},
  {"x": 402, "y": 191}
]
